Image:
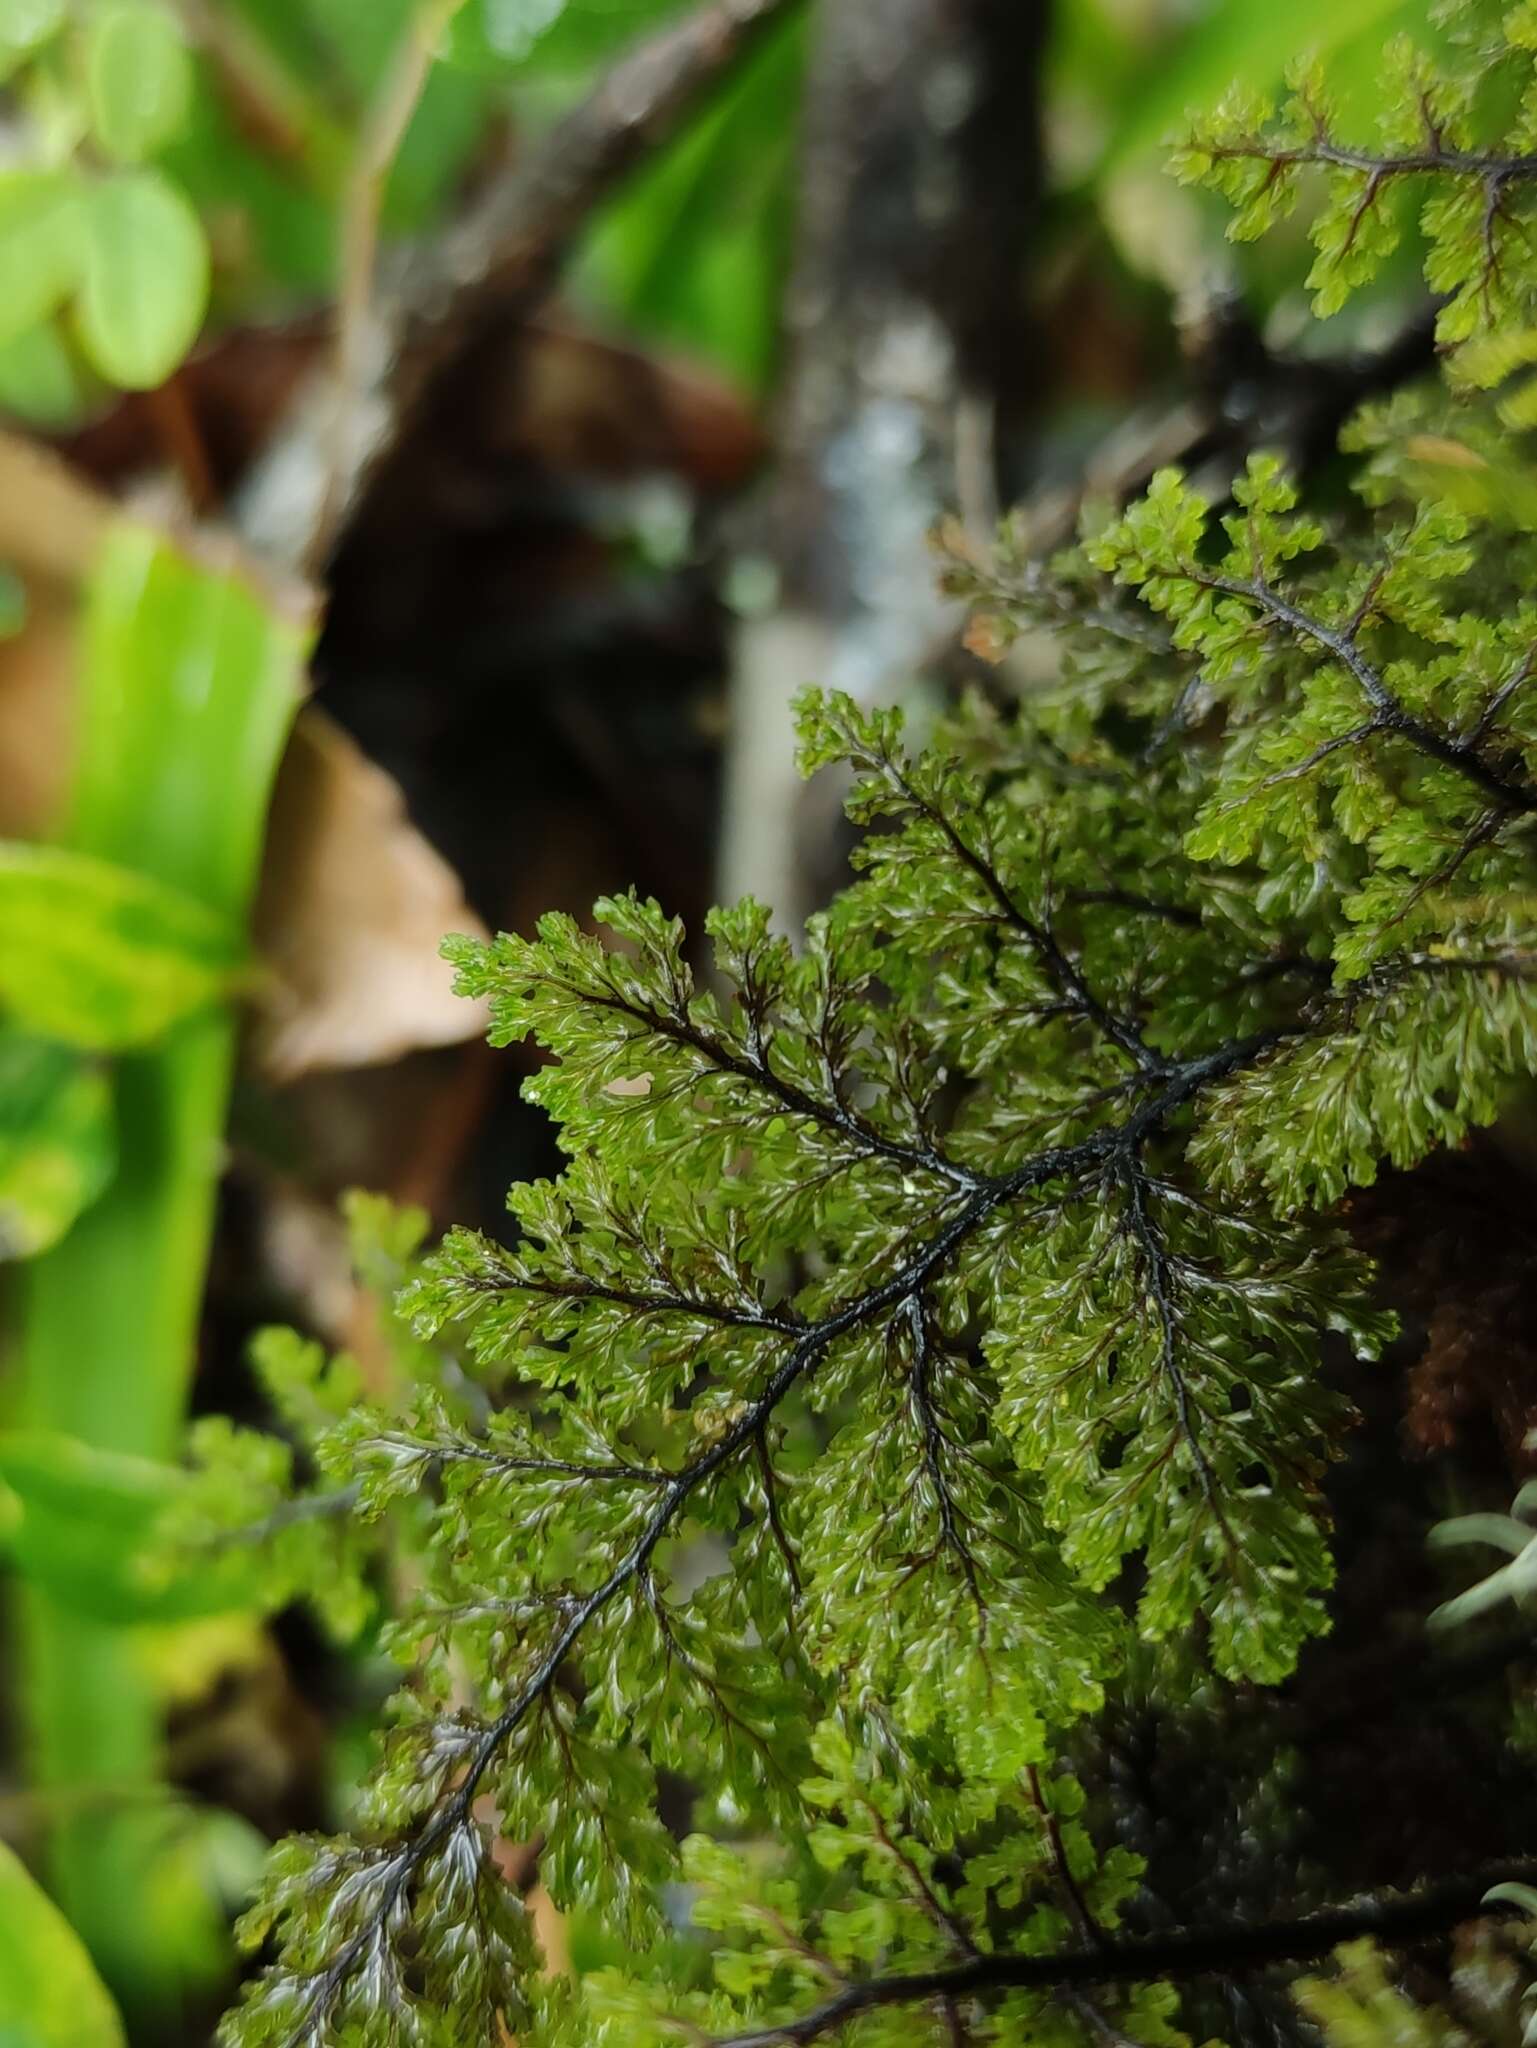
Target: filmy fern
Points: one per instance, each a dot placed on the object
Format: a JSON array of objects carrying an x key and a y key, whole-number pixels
[{"x": 925, "y": 1316}]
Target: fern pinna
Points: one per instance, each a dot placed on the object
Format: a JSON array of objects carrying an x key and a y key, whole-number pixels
[{"x": 924, "y": 1337}]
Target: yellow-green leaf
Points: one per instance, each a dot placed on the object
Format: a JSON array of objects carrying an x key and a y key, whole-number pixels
[
  {"x": 50, "y": 1996},
  {"x": 145, "y": 284},
  {"x": 138, "y": 79},
  {"x": 39, "y": 380},
  {"x": 57, "y": 1143},
  {"x": 24, "y": 26},
  {"x": 42, "y": 244},
  {"x": 100, "y": 957}
]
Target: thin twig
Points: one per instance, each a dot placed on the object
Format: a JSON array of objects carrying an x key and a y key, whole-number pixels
[
  {"x": 384, "y": 130},
  {"x": 1390, "y": 713}
]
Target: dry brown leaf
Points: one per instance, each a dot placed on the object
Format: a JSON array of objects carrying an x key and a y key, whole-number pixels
[
  {"x": 989, "y": 637},
  {"x": 353, "y": 906}
]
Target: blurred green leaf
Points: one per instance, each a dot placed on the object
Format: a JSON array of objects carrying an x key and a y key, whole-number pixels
[
  {"x": 100, "y": 957},
  {"x": 40, "y": 381},
  {"x": 24, "y": 26},
  {"x": 287, "y": 211},
  {"x": 189, "y": 680},
  {"x": 138, "y": 78},
  {"x": 50, "y": 1997},
  {"x": 530, "y": 37},
  {"x": 42, "y": 244},
  {"x": 85, "y": 1531},
  {"x": 173, "y": 647},
  {"x": 1233, "y": 41},
  {"x": 145, "y": 285},
  {"x": 57, "y": 1144},
  {"x": 695, "y": 252}
]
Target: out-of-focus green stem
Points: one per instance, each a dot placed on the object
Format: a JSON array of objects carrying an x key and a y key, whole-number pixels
[
  {"x": 109, "y": 1321},
  {"x": 188, "y": 682}
]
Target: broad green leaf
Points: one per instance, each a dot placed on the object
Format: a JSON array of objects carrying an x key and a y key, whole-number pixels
[
  {"x": 42, "y": 244},
  {"x": 82, "y": 1527},
  {"x": 138, "y": 78},
  {"x": 57, "y": 1146},
  {"x": 50, "y": 1996},
  {"x": 100, "y": 957},
  {"x": 172, "y": 648},
  {"x": 145, "y": 282},
  {"x": 695, "y": 250},
  {"x": 40, "y": 382}
]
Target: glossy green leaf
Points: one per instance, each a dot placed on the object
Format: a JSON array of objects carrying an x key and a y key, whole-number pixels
[
  {"x": 50, "y": 1996},
  {"x": 57, "y": 1144},
  {"x": 145, "y": 283},
  {"x": 138, "y": 78},
  {"x": 100, "y": 957},
  {"x": 42, "y": 244}
]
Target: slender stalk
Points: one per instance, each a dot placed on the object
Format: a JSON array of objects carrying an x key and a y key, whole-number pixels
[{"x": 188, "y": 685}]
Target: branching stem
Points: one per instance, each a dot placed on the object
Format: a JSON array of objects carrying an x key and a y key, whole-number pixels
[
  {"x": 1389, "y": 714},
  {"x": 1198, "y": 1952}
]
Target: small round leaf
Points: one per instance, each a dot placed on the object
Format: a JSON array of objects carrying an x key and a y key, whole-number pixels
[
  {"x": 138, "y": 80},
  {"x": 42, "y": 245},
  {"x": 146, "y": 279}
]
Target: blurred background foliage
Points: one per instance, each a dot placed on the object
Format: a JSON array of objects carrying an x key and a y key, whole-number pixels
[{"x": 436, "y": 443}]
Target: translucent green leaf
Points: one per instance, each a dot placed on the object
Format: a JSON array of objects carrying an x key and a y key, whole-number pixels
[
  {"x": 145, "y": 283},
  {"x": 42, "y": 244},
  {"x": 138, "y": 79},
  {"x": 100, "y": 957},
  {"x": 57, "y": 1146},
  {"x": 50, "y": 1997}
]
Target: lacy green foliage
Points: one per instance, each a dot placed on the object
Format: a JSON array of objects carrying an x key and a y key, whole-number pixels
[
  {"x": 1363, "y": 2003},
  {"x": 867, "y": 1891},
  {"x": 268, "y": 1498},
  {"x": 925, "y": 1318},
  {"x": 1461, "y": 129},
  {"x": 881, "y": 1312},
  {"x": 1360, "y": 2006}
]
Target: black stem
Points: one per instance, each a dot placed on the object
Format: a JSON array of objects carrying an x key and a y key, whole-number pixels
[{"x": 1227, "y": 1950}]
